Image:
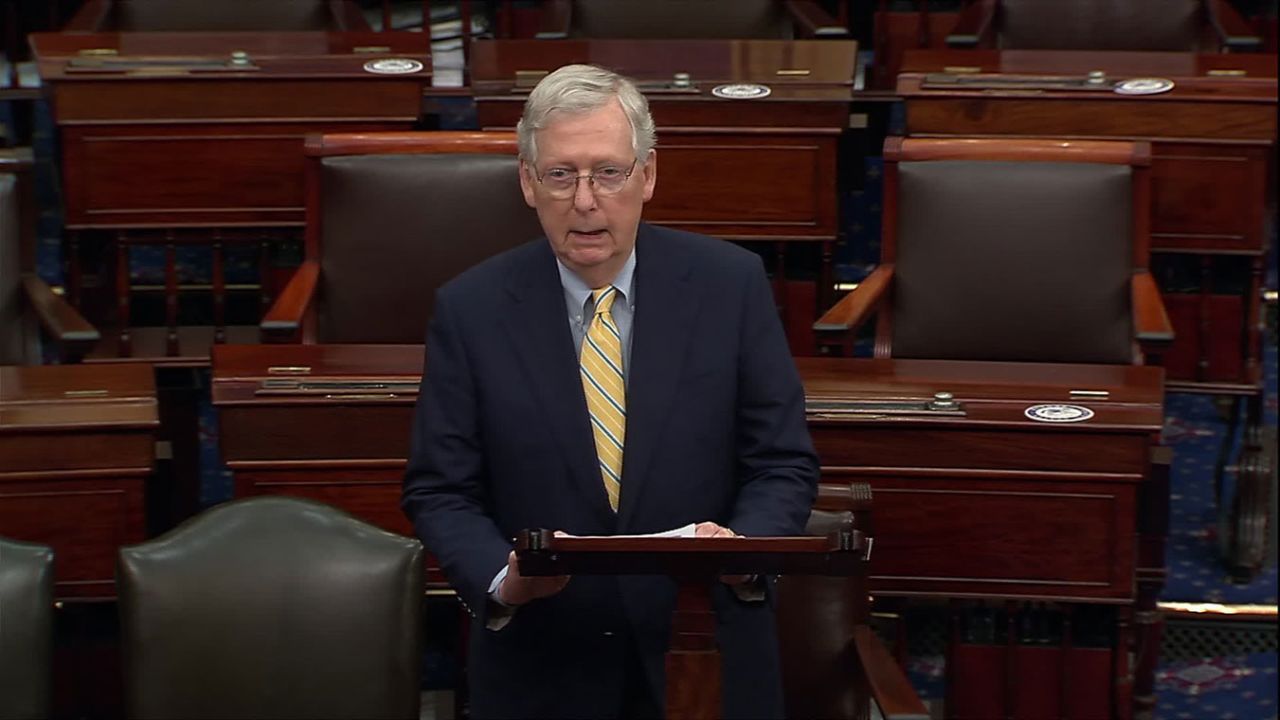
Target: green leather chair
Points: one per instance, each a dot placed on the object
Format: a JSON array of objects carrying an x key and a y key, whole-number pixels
[
  {"x": 26, "y": 629},
  {"x": 272, "y": 607}
]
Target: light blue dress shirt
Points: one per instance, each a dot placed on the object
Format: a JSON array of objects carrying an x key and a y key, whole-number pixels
[
  {"x": 581, "y": 309},
  {"x": 577, "y": 298}
]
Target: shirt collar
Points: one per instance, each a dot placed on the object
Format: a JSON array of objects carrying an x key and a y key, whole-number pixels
[{"x": 578, "y": 292}]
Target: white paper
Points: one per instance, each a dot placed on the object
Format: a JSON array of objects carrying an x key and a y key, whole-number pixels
[{"x": 680, "y": 532}]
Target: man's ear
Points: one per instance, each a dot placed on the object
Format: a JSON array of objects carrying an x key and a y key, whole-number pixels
[
  {"x": 650, "y": 174},
  {"x": 526, "y": 183}
]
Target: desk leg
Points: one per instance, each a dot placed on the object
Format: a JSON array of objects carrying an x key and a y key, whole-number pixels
[
  {"x": 1204, "y": 328},
  {"x": 170, "y": 295},
  {"x": 122, "y": 293},
  {"x": 74, "y": 273},
  {"x": 693, "y": 662},
  {"x": 826, "y": 278},
  {"x": 1248, "y": 509},
  {"x": 780, "y": 278},
  {"x": 1122, "y": 665},
  {"x": 1153, "y": 528},
  {"x": 219, "y": 290}
]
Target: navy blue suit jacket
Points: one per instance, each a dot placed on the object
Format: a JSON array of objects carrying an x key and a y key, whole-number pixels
[{"x": 502, "y": 442}]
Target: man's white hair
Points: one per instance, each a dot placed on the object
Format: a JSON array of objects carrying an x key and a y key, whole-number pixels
[{"x": 579, "y": 89}]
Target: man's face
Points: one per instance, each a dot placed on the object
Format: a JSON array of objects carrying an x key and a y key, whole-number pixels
[{"x": 591, "y": 233}]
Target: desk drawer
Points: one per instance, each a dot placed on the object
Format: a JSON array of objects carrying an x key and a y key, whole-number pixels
[
  {"x": 84, "y": 520},
  {"x": 877, "y": 446},
  {"x": 964, "y": 536},
  {"x": 315, "y": 432}
]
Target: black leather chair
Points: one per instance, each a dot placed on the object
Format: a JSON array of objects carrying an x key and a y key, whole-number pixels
[
  {"x": 28, "y": 307},
  {"x": 272, "y": 607},
  {"x": 26, "y": 630},
  {"x": 1011, "y": 250},
  {"x": 217, "y": 16},
  {"x": 390, "y": 218},
  {"x": 659, "y": 19},
  {"x": 1152, "y": 25},
  {"x": 833, "y": 665}
]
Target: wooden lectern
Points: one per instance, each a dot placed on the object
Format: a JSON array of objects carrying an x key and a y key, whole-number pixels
[{"x": 693, "y": 661}]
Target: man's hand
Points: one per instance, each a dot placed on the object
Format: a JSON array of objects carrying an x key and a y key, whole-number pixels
[
  {"x": 518, "y": 590},
  {"x": 710, "y": 529}
]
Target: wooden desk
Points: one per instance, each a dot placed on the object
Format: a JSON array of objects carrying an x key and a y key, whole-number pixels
[
  {"x": 744, "y": 170},
  {"x": 77, "y": 444},
  {"x": 326, "y": 422},
  {"x": 983, "y": 502},
  {"x": 992, "y": 462},
  {"x": 1213, "y": 196},
  {"x": 167, "y": 139},
  {"x": 332, "y": 422}
]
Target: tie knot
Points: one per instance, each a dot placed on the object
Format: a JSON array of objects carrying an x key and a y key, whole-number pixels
[{"x": 603, "y": 298}]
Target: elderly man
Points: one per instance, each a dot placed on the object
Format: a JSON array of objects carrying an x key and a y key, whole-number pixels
[{"x": 613, "y": 377}]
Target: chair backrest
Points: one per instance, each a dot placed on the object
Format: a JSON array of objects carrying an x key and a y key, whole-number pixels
[
  {"x": 1014, "y": 250},
  {"x": 26, "y": 630},
  {"x": 392, "y": 216},
  {"x": 17, "y": 243},
  {"x": 11, "y": 350},
  {"x": 217, "y": 16},
  {"x": 272, "y": 607},
  {"x": 733, "y": 19},
  {"x": 816, "y": 620},
  {"x": 1169, "y": 25}
]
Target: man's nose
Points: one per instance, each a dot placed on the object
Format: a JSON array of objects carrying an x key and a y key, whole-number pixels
[{"x": 584, "y": 196}]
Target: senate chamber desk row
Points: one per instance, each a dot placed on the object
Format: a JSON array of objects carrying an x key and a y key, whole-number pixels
[{"x": 221, "y": 232}]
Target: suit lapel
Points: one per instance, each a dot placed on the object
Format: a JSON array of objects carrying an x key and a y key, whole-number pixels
[
  {"x": 666, "y": 305},
  {"x": 538, "y": 325}
]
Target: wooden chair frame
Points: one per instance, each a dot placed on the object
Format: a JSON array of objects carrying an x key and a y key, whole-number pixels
[{"x": 58, "y": 320}]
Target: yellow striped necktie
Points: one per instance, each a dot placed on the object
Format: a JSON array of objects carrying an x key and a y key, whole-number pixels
[{"x": 602, "y": 381}]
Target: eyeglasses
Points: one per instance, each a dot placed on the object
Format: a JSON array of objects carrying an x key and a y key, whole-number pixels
[{"x": 562, "y": 183}]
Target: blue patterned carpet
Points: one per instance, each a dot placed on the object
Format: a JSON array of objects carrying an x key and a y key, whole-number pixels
[
  {"x": 1194, "y": 428},
  {"x": 1238, "y": 687}
]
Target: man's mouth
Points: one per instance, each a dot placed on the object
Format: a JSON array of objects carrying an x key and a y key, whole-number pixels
[{"x": 589, "y": 233}]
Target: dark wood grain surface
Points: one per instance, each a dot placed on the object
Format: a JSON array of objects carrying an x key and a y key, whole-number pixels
[
  {"x": 77, "y": 446},
  {"x": 166, "y": 131},
  {"x": 1040, "y": 509}
]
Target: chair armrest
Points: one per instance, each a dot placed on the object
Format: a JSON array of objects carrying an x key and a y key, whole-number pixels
[
  {"x": 1233, "y": 32},
  {"x": 853, "y": 309},
  {"x": 284, "y": 319},
  {"x": 1150, "y": 320},
  {"x": 973, "y": 24},
  {"x": 68, "y": 329},
  {"x": 557, "y": 15},
  {"x": 89, "y": 18},
  {"x": 813, "y": 21},
  {"x": 890, "y": 690}
]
